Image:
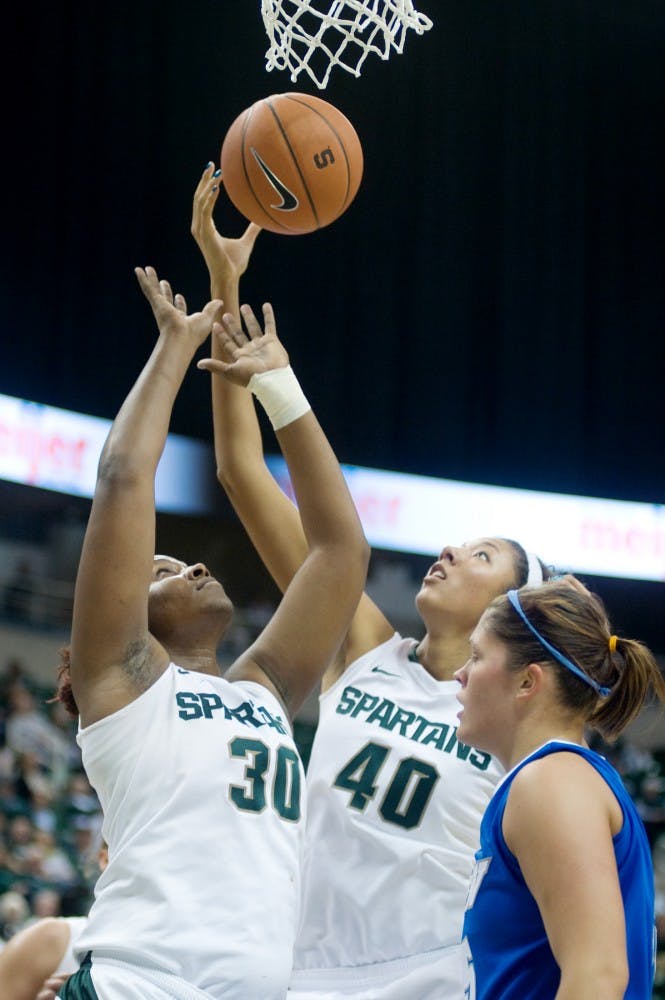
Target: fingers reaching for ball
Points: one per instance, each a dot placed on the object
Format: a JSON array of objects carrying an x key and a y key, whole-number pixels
[{"x": 248, "y": 351}]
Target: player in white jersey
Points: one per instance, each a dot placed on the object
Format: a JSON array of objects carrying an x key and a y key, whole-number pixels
[
  {"x": 198, "y": 774},
  {"x": 394, "y": 799}
]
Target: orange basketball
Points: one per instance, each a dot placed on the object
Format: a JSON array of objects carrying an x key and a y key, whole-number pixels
[{"x": 292, "y": 163}]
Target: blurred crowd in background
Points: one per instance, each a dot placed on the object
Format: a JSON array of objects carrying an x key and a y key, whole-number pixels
[{"x": 50, "y": 819}]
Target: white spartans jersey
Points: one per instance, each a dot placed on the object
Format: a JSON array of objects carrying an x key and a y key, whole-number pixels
[
  {"x": 394, "y": 809},
  {"x": 202, "y": 790}
]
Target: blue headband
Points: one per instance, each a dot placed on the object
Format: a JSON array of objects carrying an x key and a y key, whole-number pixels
[{"x": 513, "y": 597}]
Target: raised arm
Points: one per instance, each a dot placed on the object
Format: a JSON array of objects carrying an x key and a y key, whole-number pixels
[
  {"x": 113, "y": 656},
  {"x": 270, "y": 519},
  {"x": 313, "y": 616}
]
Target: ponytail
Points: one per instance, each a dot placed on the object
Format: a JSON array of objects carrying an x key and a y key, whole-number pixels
[{"x": 638, "y": 675}]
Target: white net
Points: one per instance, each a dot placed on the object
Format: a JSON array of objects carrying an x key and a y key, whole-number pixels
[{"x": 313, "y": 36}]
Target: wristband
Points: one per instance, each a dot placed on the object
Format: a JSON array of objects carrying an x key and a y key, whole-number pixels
[{"x": 279, "y": 393}]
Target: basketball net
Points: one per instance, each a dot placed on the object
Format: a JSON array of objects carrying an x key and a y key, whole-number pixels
[{"x": 312, "y": 36}]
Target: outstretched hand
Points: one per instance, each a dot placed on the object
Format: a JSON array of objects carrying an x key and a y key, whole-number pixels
[
  {"x": 226, "y": 258},
  {"x": 170, "y": 311},
  {"x": 248, "y": 353}
]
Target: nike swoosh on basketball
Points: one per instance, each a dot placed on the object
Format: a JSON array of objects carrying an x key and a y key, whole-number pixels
[
  {"x": 289, "y": 200},
  {"x": 380, "y": 670}
]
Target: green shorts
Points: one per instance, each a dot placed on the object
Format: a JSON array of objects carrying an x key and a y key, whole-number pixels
[{"x": 80, "y": 986}]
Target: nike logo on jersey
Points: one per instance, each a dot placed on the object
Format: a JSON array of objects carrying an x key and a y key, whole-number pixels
[
  {"x": 380, "y": 670},
  {"x": 289, "y": 201}
]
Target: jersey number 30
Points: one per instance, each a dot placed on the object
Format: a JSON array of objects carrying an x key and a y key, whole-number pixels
[{"x": 286, "y": 784}]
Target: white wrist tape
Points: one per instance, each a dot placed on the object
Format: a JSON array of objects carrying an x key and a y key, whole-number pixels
[{"x": 279, "y": 393}]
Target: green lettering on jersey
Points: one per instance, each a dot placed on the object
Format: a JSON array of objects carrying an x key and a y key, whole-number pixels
[
  {"x": 286, "y": 792},
  {"x": 437, "y": 734},
  {"x": 408, "y": 792},
  {"x": 359, "y": 775},
  {"x": 480, "y": 759},
  {"x": 366, "y": 704},
  {"x": 211, "y": 703},
  {"x": 189, "y": 706},
  {"x": 348, "y": 700},
  {"x": 401, "y": 720},
  {"x": 382, "y": 714},
  {"x": 387, "y": 715}
]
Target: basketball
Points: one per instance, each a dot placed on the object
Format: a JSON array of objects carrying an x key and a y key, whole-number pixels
[{"x": 291, "y": 163}]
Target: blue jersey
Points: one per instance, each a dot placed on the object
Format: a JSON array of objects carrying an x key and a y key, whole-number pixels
[{"x": 509, "y": 951}]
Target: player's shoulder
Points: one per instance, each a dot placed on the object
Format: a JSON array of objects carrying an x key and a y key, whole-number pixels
[
  {"x": 52, "y": 929},
  {"x": 47, "y": 934},
  {"x": 560, "y": 781},
  {"x": 552, "y": 767}
]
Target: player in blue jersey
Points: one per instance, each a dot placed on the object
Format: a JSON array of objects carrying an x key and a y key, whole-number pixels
[
  {"x": 561, "y": 902},
  {"x": 395, "y": 799},
  {"x": 198, "y": 774}
]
